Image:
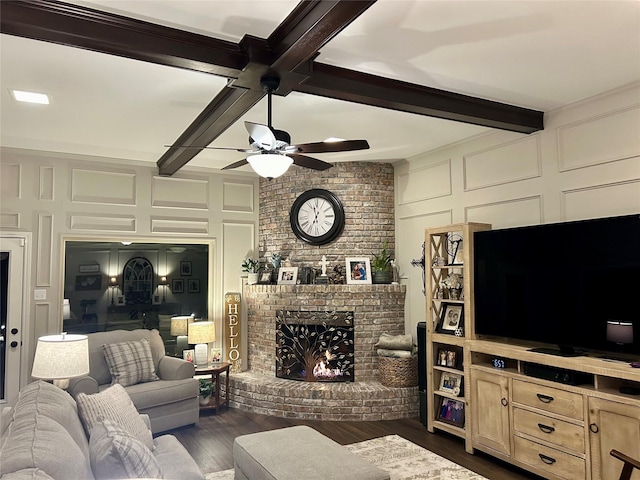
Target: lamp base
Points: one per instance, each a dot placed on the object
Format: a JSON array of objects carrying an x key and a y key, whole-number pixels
[
  {"x": 62, "y": 383},
  {"x": 201, "y": 354}
]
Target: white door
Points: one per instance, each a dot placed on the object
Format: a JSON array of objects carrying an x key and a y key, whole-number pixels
[{"x": 13, "y": 302}]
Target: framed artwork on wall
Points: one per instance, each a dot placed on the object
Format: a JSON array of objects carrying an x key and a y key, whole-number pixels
[
  {"x": 193, "y": 286},
  {"x": 185, "y": 268},
  {"x": 177, "y": 286},
  {"x": 88, "y": 282}
]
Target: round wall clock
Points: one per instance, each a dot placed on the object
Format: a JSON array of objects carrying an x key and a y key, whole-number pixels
[{"x": 317, "y": 216}]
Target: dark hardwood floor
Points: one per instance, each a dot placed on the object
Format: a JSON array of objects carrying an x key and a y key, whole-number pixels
[{"x": 211, "y": 441}]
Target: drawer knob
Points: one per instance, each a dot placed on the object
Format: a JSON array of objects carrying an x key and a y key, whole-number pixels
[
  {"x": 504, "y": 402},
  {"x": 546, "y": 459},
  {"x": 544, "y": 398},
  {"x": 546, "y": 428},
  {"x": 594, "y": 428}
]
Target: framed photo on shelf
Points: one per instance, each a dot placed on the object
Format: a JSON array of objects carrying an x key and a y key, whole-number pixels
[
  {"x": 287, "y": 275},
  {"x": 451, "y": 319},
  {"x": 447, "y": 358},
  {"x": 188, "y": 355},
  {"x": 265, "y": 278},
  {"x": 177, "y": 286},
  {"x": 451, "y": 411},
  {"x": 451, "y": 383},
  {"x": 358, "y": 270}
]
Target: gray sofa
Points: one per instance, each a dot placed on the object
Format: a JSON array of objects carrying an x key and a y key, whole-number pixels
[
  {"x": 44, "y": 439},
  {"x": 170, "y": 402}
]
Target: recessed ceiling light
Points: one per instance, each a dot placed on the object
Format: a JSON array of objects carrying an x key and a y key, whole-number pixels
[{"x": 30, "y": 97}]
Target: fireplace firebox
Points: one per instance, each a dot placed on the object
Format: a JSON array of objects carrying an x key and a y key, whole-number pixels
[{"x": 315, "y": 346}]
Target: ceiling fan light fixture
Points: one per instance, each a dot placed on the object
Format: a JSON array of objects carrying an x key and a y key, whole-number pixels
[{"x": 270, "y": 165}]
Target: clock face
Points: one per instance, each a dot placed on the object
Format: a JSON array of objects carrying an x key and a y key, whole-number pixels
[{"x": 317, "y": 217}]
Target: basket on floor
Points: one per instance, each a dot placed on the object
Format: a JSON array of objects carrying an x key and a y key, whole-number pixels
[{"x": 398, "y": 372}]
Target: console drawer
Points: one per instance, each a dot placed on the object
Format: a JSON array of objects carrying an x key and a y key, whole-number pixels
[
  {"x": 549, "y": 429},
  {"x": 559, "y": 464},
  {"x": 550, "y": 399}
]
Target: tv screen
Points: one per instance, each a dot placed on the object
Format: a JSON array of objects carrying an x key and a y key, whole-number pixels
[{"x": 560, "y": 284}]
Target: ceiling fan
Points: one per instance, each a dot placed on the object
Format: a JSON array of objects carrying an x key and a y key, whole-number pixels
[{"x": 271, "y": 149}]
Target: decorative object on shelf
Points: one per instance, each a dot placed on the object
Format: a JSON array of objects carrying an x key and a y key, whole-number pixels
[
  {"x": 451, "y": 318},
  {"x": 323, "y": 279},
  {"x": 306, "y": 276},
  {"x": 275, "y": 260},
  {"x": 252, "y": 267},
  {"x": 447, "y": 358},
  {"x": 498, "y": 363},
  {"x": 207, "y": 388},
  {"x": 454, "y": 243},
  {"x": 287, "y": 275},
  {"x": 317, "y": 217},
  {"x": 381, "y": 266},
  {"x": 358, "y": 270},
  {"x": 420, "y": 263},
  {"x": 451, "y": 383},
  {"x": 459, "y": 332},
  {"x": 216, "y": 356},
  {"x": 188, "y": 355},
  {"x": 451, "y": 411},
  {"x": 453, "y": 283},
  {"x": 265, "y": 277}
]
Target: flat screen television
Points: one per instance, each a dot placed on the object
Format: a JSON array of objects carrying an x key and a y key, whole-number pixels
[{"x": 559, "y": 284}]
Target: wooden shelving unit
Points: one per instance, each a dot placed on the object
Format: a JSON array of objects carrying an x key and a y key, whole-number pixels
[{"x": 441, "y": 243}]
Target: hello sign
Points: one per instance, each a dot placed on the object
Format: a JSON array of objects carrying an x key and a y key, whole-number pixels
[{"x": 232, "y": 331}]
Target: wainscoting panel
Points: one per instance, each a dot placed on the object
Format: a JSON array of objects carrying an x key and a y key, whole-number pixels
[
  {"x": 238, "y": 243},
  {"x": 46, "y": 183},
  {"x": 601, "y": 201},
  {"x": 44, "y": 253},
  {"x": 108, "y": 188},
  {"x": 509, "y": 213},
  {"x": 432, "y": 181},
  {"x": 10, "y": 178},
  {"x": 180, "y": 193},
  {"x": 101, "y": 223},
  {"x": 237, "y": 197},
  {"x": 181, "y": 226},
  {"x": 9, "y": 220},
  {"x": 505, "y": 163},
  {"x": 585, "y": 143}
]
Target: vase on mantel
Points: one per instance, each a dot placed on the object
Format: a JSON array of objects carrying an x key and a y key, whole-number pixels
[{"x": 455, "y": 293}]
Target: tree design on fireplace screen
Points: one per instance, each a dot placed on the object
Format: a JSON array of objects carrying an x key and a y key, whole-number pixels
[{"x": 315, "y": 346}]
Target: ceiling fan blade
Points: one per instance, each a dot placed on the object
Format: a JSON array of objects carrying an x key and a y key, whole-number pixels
[
  {"x": 243, "y": 150},
  {"x": 339, "y": 146},
  {"x": 309, "y": 162},
  {"x": 237, "y": 164},
  {"x": 262, "y": 135}
]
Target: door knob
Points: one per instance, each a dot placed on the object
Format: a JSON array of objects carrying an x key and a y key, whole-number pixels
[
  {"x": 14, "y": 331},
  {"x": 13, "y": 344}
]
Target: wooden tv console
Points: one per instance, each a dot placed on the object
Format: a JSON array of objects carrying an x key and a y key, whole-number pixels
[{"x": 551, "y": 428}]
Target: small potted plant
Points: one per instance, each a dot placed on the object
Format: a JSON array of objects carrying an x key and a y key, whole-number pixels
[
  {"x": 207, "y": 388},
  {"x": 453, "y": 283},
  {"x": 381, "y": 266},
  {"x": 252, "y": 267}
]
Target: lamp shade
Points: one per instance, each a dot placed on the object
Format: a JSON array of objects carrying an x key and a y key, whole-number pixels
[
  {"x": 619, "y": 332},
  {"x": 201, "y": 332},
  {"x": 269, "y": 165},
  {"x": 179, "y": 325},
  {"x": 61, "y": 357}
]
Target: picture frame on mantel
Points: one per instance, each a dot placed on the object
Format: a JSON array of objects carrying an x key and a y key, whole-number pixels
[
  {"x": 358, "y": 270},
  {"x": 287, "y": 275}
]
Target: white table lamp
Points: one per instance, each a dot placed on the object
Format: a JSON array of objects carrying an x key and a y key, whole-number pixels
[
  {"x": 60, "y": 358},
  {"x": 201, "y": 334}
]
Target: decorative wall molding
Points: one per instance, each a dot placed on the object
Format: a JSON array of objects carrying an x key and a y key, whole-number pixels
[
  {"x": 431, "y": 181},
  {"x": 237, "y": 196},
  {"x": 47, "y": 180},
  {"x": 102, "y": 187},
  {"x": 513, "y": 212},
  {"x": 501, "y": 164},
  {"x": 180, "y": 226},
  {"x": 101, "y": 223},
  {"x": 11, "y": 175},
  {"x": 10, "y": 220},
  {"x": 175, "y": 192},
  {"x": 605, "y": 200},
  {"x": 44, "y": 250}
]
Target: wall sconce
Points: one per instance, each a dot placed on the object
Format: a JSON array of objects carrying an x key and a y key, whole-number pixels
[
  {"x": 163, "y": 283},
  {"x": 113, "y": 284}
]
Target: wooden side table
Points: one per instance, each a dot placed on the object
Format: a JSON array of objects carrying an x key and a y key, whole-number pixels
[{"x": 215, "y": 369}]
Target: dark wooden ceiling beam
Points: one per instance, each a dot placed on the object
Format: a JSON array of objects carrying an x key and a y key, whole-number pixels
[
  {"x": 349, "y": 85},
  {"x": 82, "y": 27}
]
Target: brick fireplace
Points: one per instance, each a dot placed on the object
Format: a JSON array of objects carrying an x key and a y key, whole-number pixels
[{"x": 376, "y": 309}]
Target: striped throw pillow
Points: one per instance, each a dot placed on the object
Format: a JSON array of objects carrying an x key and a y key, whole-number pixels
[{"x": 130, "y": 362}]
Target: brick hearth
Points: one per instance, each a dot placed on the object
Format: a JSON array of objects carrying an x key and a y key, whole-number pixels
[{"x": 377, "y": 309}]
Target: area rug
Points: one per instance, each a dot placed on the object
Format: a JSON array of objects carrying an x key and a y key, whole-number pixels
[{"x": 403, "y": 460}]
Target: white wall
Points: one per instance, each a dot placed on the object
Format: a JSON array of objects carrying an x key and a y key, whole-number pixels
[
  {"x": 584, "y": 164},
  {"x": 61, "y": 197}
]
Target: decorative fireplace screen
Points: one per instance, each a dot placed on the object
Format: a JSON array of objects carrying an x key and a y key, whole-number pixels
[{"x": 314, "y": 346}]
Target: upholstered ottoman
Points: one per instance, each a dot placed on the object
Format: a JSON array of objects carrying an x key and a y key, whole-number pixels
[{"x": 297, "y": 453}]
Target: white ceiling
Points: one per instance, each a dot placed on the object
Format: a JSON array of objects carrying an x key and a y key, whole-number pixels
[{"x": 535, "y": 54}]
